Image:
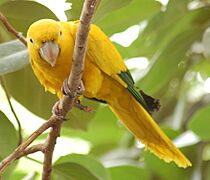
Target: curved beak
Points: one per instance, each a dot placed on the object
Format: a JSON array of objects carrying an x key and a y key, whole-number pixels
[{"x": 49, "y": 52}]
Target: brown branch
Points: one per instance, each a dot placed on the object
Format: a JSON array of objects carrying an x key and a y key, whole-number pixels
[
  {"x": 74, "y": 81},
  {"x": 12, "y": 30},
  {"x": 66, "y": 103},
  {"x": 16, "y": 153},
  {"x": 25, "y": 152},
  {"x": 48, "y": 154},
  {"x": 31, "y": 150}
]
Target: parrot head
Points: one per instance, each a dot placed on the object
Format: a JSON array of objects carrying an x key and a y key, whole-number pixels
[{"x": 44, "y": 37}]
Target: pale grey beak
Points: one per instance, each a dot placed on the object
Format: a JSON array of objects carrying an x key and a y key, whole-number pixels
[{"x": 49, "y": 52}]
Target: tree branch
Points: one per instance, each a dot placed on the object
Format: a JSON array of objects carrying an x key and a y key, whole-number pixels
[
  {"x": 74, "y": 81},
  {"x": 16, "y": 153},
  {"x": 12, "y": 30},
  {"x": 66, "y": 103},
  {"x": 31, "y": 150},
  {"x": 50, "y": 145}
]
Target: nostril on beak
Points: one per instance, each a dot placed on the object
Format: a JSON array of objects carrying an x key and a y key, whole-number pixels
[{"x": 49, "y": 52}]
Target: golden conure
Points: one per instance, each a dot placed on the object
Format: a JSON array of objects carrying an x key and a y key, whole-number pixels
[{"x": 106, "y": 78}]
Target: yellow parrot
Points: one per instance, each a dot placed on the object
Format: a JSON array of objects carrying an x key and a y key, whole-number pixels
[{"x": 105, "y": 78}]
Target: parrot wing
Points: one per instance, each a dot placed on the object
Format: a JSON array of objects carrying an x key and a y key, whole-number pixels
[{"x": 104, "y": 54}]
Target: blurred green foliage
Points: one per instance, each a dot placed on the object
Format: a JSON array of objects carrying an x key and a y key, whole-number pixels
[
  {"x": 8, "y": 140},
  {"x": 175, "y": 40},
  {"x": 77, "y": 166},
  {"x": 199, "y": 123}
]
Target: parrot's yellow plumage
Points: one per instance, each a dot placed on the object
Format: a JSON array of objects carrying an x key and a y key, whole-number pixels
[{"x": 106, "y": 78}]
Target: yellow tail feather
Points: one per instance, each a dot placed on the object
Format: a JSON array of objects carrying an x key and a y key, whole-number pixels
[{"x": 141, "y": 124}]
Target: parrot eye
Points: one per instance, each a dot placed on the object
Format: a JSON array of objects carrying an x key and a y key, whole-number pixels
[{"x": 31, "y": 40}]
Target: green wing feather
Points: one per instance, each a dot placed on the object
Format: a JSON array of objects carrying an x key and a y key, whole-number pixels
[{"x": 127, "y": 78}]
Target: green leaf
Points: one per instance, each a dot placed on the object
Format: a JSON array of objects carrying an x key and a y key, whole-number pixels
[
  {"x": 164, "y": 27},
  {"x": 13, "y": 56},
  {"x": 199, "y": 123},
  {"x": 72, "y": 171},
  {"x": 105, "y": 7},
  {"x": 116, "y": 12},
  {"x": 21, "y": 14},
  {"x": 206, "y": 152},
  {"x": 203, "y": 67},
  {"x": 168, "y": 63},
  {"x": 77, "y": 166},
  {"x": 100, "y": 131},
  {"x": 8, "y": 140},
  {"x": 170, "y": 56},
  {"x": 8, "y": 136},
  {"x": 75, "y": 11},
  {"x": 133, "y": 13},
  {"x": 79, "y": 119},
  {"x": 18, "y": 174},
  {"x": 206, "y": 43},
  {"x": 3, "y": 1},
  {"x": 126, "y": 172},
  {"x": 161, "y": 29},
  {"x": 26, "y": 89}
]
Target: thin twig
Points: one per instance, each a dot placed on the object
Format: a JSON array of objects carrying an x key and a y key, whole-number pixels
[
  {"x": 12, "y": 30},
  {"x": 13, "y": 111},
  {"x": 31, "y": 150},
  {"x": 34, "y": 160}
]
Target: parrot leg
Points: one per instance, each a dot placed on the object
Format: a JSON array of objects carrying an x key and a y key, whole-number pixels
[
  {"x": 66, "y": 91},
  {"x": 78, "y": 105},
  {"x": 56, "y": 111}
]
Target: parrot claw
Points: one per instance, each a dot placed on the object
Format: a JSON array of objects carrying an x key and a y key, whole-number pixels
[
  {"x": 56, "y": 111},
  {"x": 78, "y": 105},
  {"x": 66, "y": 91}
]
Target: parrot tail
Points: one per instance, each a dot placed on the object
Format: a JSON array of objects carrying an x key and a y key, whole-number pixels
[{"x": 141, "y": 124}]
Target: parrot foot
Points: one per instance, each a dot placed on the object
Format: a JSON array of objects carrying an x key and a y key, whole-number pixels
[
  {"x": 66, "y": 91},
  {"x": 57, "y": 112},
  {"x": 78, "y": 105}
]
